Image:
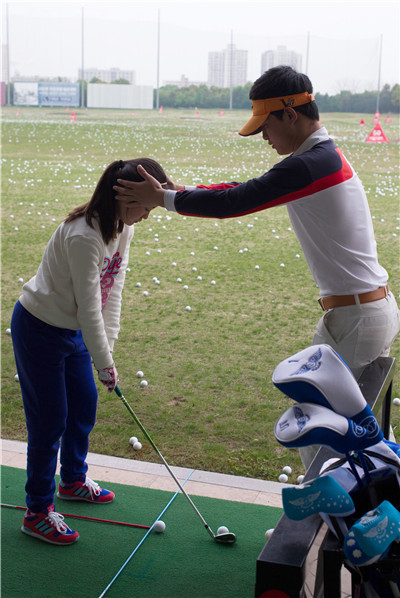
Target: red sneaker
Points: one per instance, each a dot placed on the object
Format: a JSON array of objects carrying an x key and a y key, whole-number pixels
[
  {"x": 88, "y": 491},
  {"x": 48, "y": 526}
]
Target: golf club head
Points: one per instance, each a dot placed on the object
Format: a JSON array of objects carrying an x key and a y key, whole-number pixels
[{"x": 227, "y": 538}]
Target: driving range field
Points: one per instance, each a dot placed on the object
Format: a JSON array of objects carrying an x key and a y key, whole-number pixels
[{"x": 210, "y": 403}]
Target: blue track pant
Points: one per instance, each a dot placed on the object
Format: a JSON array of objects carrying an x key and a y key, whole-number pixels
[{"x": 60, "y": 401}]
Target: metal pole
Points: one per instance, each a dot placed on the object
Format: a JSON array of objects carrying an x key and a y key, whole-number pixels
[
  {"x": 308, "y": 52},
  {"x": 231, "y": 73},
  {"x": 379, "y": 73},
  {"x": 158, "y": 62},
  {"x": 83, "y": 61},
  {"x": 8, "y": 60}
]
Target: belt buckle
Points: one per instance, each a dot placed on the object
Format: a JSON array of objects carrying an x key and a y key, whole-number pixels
[{"x": 321, "y": 302}]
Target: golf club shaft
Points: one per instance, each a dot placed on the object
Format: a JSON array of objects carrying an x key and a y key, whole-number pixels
[
  {"x": 133, "y": 414},
  {"x": 84, "y": 517}
]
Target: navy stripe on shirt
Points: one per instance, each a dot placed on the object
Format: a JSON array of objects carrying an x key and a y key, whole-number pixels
[{"x": 296, "y": 177}]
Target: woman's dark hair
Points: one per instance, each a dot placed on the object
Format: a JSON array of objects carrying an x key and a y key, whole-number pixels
[
  {"x": 103, "y": 203},
  {"x": 283, "y": 81}
]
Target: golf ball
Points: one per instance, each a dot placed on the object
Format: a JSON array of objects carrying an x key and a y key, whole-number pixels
[
  {"x": 269, "y": 533},
  {"x": 287, "y": 469},
  {"x": 300, "y": 479},
  {"x": 222, "y": 530},
  {"x": 159, "y": 526},
  {"x": 139, "y": 374},
  {"x": 16, "y": 377},
  {"x": 396, "y": 401},
  {"x": 188, "y": 308},
  {"x": 8, "y": 331},
  {"x": 283, "y": 478},
  {"x": 143, "y": 383},
  {"x": 137, "y": 446},
  {"x": 132, "y": 440}
]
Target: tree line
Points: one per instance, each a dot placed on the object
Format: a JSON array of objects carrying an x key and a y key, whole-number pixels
[{"x": 172, "y": 96}]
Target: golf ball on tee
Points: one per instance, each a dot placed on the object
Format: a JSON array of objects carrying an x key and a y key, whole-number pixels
[
  {"x": 159, "y": 526},
  {"x": 137, "y": 446},
  {"x": 132, "y": 440},
  {"x": 222, "y": 530}
]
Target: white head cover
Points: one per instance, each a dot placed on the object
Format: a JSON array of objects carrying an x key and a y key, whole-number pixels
[{"x": 319, "y": 375}]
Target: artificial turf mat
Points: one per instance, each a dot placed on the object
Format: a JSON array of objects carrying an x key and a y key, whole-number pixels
[{"x": 183, "y": 562}]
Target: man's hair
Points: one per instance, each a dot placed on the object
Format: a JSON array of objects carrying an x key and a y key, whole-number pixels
[{"x": 284, "y": 81}]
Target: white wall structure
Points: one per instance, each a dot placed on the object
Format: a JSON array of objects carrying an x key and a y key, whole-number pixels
[{"x": 120, "y": 96}]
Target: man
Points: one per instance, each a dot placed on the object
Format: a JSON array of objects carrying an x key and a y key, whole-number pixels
[{"x": 327, "y": 206}]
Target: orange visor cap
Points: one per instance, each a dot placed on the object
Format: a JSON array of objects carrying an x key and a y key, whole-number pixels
[{"x": 263, "y": 108}]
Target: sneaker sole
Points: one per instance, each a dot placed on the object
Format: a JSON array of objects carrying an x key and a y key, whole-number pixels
[
  {"x": 66, "y": 497},
  {"x": 33, "y": 535}
]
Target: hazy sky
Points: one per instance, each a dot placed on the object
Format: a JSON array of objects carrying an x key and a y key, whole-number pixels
[{"x": 344, "y": 38}]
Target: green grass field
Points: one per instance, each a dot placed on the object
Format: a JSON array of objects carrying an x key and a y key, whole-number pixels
[{"x": 210, "y": 403}]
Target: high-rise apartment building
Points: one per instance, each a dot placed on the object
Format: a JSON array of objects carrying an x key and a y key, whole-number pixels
[
  {"x": 107, "y": 75},
  {"x": 280, "y": 56},
  {"x": 227, "y": 68}
]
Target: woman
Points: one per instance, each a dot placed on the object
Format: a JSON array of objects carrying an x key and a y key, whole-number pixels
[{"x": 68, "y": 316}]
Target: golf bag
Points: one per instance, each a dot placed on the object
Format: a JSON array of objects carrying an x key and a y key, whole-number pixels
[{"x": 357, "y": 493}]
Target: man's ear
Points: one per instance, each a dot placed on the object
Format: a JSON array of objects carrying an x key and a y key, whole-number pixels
[{"x": 291, "y": 113}]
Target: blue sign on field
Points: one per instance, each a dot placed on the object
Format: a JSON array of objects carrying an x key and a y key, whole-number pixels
[{"x": 59, "y": 94}]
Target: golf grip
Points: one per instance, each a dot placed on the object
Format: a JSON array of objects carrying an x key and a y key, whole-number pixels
[{"x": 133, "y": 414}]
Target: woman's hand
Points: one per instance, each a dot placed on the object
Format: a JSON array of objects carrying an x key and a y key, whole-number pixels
[{"x": 109, "y": 377}]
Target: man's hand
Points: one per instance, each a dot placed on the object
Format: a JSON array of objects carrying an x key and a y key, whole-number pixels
[
  {"x": 149, "y": 193},
  {"x": 173, "y": 186}
]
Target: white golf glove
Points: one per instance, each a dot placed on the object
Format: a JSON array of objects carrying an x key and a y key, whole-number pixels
[{"x": 109, "y": 377}]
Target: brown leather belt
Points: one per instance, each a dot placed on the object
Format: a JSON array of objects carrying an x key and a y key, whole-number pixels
[{"x": 344, "y": 300}]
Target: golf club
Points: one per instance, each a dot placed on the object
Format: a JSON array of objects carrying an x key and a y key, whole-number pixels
[{"x": 227, "y": 538}]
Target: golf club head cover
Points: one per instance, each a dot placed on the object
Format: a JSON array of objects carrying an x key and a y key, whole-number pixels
[
  {"x": 321, "y": 495},
  {"x": 371, "y": 536},
  {"x": 319, "y": 375},
  {"x": 308, "y": 424}
]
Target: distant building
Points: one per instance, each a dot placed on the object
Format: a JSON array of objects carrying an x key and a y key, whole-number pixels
[
  {"x": 184, "y": 82},
  {"x": 107, "y": 76},
  {"x": 227, "y": 68},
  {"x": 279, "y": 57}
]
